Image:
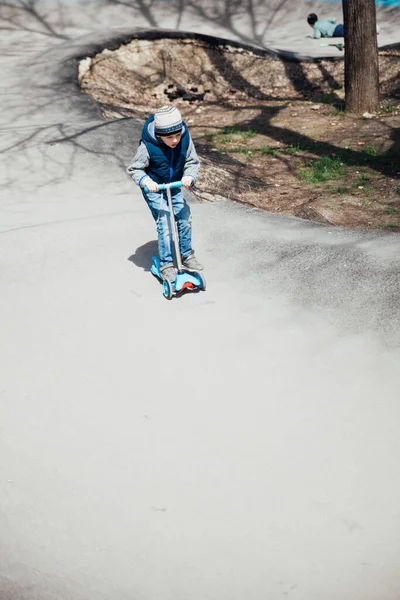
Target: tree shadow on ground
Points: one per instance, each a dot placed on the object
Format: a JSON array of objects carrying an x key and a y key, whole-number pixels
[
  {"x": 386, "y": 163},
  {"x": 295, "y": 72},
  {"x": 247, "y": 20},
  {"x": 224, "y": 15},
  {"x": 29, "y": 16}
]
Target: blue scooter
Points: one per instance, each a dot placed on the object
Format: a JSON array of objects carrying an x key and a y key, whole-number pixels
[
  {"x": 185, "y": 280},
  {"x": 339, "y": 46}
]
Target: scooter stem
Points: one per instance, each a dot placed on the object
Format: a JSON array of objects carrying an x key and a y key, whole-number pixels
[{"x": 174, "y": 228}]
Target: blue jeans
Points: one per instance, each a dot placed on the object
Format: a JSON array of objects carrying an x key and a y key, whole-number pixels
[
  {"x": 158, "y": 204},
  {"x": 339, "y": 31}
]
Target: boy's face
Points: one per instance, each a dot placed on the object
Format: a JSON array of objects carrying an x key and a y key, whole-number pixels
[{"x": 172, "y": 140}]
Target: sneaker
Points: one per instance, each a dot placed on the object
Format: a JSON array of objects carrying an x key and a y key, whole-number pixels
[
  {"x": 168, "y": 272},
  {"x": 190, "y": 263}
]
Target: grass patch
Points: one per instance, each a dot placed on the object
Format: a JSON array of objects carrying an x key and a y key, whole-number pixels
[
  {"x": 248, "y": 135},
  {"x": 339, "y": 112},
  {"x": 242, "y": 151},
  {"x": 398, "y": 190},
  {"x": 271, "y": 151},
  {"x": 322, "y": 169},
  {"x": 224, "y": 139},
  {"x": 370, "y": 150},
  {"x": 392, "y": 211},
  {"x": 372, "y": 157},
  {"x": 292, "y": 149},
  {"x": 244, "y": 135},
  {"x": 366, "y": 190},
  {"x": 231, "y": 130},
  {"x": 230, "y": 135},
  {"x": 339, "y": 190},
  {"x": 362, "y": 180},
  {"x": 325, "y": 98},
  {"x": 388, "y": 108}
]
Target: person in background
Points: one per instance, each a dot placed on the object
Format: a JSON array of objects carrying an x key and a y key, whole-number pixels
[
  {"x": 324, "y": 28},
  {"x": 166, "y": 153}
]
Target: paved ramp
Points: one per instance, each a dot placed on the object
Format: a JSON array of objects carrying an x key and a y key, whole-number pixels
[{"x": 238, "y": 443}]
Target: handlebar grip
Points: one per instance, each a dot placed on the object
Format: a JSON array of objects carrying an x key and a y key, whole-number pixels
[{"x": 162, "y": 187}]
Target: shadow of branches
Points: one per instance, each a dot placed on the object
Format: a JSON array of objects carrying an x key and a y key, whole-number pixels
[
  {"x": 29, "y": 16},
  {"x": 246, "y": 20},
  {"x": 386, "y": 163}
]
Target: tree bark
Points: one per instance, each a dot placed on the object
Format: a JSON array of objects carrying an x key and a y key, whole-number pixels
[{"x": 361, "y": 66}]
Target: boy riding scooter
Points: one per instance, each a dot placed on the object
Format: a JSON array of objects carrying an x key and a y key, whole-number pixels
[{"x": 166, "y": 154}]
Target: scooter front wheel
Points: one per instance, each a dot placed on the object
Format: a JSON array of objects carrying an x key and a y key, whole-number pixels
[{"x": 167, "y": 289}]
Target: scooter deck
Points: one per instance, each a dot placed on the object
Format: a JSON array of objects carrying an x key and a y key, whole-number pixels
[{"x": 185, "y": 280}]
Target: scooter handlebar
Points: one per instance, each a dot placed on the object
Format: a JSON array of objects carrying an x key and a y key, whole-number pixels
[{"x": 162, "y": 186}]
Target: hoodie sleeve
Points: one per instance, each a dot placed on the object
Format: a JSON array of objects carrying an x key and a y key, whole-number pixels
[
  {"x": 192, "y": 162},
  {"x": 317, "y": 33},
  {"x": 139, "y": 163}
]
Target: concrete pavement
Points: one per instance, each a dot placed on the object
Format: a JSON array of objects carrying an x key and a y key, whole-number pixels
[{"x": 238, "y": 443}]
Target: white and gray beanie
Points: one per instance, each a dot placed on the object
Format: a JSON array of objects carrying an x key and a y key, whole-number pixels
[{"x": 167, "y": 120}]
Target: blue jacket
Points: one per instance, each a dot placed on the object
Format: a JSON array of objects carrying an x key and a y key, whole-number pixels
[
  {"x": 324, "y": 28},
  {"x": 166, "y": 164}
]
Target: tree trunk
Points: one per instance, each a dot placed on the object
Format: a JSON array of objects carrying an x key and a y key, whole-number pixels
[{"x": 361, "y": 56}]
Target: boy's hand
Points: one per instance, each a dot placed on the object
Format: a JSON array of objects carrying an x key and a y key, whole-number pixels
[
  {"x": 152, "y": 185},
  {"x": 187, "y": 181}
]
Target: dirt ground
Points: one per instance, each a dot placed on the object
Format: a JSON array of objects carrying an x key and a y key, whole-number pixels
[{"x": 270, "y": 133}]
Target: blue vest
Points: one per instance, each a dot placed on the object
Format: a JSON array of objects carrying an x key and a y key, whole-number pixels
[{"x": 166, "y": 164}]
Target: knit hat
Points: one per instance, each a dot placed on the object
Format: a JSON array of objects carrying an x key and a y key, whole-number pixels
[{"x": 167, "y": 120}]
